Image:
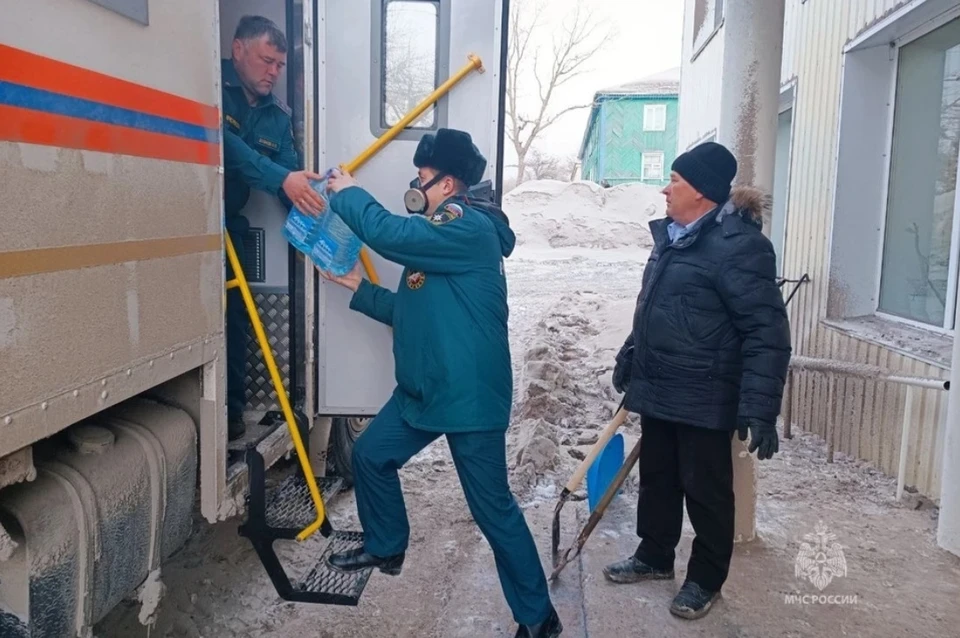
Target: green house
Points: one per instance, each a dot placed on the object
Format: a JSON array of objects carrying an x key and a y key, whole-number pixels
[{"x": 631, "y": 133}]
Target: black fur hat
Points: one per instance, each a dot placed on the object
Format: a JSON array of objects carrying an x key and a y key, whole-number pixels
[{"x": 452, "y": 152}]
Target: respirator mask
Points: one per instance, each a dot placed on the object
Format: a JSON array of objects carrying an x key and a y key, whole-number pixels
[{"x": 415, "y": 199}]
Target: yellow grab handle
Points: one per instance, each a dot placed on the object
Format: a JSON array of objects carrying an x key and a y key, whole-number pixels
[
  {"x": 241, "y": 283},
  {"x": 474, "y": 64}
]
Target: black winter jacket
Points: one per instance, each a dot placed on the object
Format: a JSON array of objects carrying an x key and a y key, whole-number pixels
[{"x": 711, "y": 339}]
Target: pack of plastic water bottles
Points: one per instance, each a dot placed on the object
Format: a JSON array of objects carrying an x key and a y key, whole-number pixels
[{"x": 326, "y": 239}]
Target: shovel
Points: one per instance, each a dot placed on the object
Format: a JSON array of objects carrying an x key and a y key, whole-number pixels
[
  {"x": 597, "y": 513},
  {"x": 577, "y": 477}
]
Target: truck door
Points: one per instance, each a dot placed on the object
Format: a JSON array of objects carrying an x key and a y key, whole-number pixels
[{"x": 377, "y": 59}]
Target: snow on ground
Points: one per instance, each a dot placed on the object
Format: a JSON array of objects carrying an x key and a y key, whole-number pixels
[
  {"x": 560, "y": 220},
  {"x": 573, "y": 283}
]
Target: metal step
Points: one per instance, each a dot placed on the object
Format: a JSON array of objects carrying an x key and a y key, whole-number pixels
[
  {"x": 289, "y": 507},
  {"x": 326, "y": 585}
]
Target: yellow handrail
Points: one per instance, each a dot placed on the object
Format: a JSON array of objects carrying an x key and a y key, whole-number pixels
[
  {"x": 474, "y": 64},
  {"x": 241, "y": 283}
]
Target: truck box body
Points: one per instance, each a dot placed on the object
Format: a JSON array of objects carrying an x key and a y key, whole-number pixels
[{"x": 111, "y": 253}]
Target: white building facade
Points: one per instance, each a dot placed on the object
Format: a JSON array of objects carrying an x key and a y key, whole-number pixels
[{"x": 864, "y": 189}]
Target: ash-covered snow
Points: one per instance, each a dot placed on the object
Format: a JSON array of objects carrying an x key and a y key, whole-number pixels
[
  {"x": 560, "y": 220},
  {"x": 574, "y": 279}
]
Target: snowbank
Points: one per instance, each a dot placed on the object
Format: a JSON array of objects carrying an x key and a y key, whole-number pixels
[
  {"x": 566, "y": 395},
  {"x": 559, "y": 220}
]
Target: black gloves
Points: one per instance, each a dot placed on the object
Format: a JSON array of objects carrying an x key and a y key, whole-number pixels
[
  {"x": 621, "y": 371},
  {"x": 763, "y": 437}
]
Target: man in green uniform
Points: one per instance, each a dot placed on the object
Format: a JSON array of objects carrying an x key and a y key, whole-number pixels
[
  {"x": 453, "y": 370},
  {"x": 258, "y": 152}
]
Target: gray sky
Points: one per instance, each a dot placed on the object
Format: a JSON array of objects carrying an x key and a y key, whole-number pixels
[{"x": 647, "y": 40}]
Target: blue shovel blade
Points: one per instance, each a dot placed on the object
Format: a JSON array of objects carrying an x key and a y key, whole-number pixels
[{"x": 603, "y": 469}]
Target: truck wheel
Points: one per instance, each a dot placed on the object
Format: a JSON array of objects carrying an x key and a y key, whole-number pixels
[{"x": 344, "y": 432}]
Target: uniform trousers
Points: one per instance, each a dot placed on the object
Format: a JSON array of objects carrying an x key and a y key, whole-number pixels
[
  {"x": 238, "y": 327},
  {"x": 481, "y": 463}
]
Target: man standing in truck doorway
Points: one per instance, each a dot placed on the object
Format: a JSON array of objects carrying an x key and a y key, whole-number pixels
[
  {"x": 258, "y": 152},
  {"x": 449, "y": 320}
]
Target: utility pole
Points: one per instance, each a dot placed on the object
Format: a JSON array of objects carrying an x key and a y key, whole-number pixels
[{"x": 749, "y": 105}]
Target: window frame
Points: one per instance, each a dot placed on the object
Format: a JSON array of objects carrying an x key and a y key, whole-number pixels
[
  {"x": 953, "y": 268},
  {"x": 719, "y": 16},
  {"x": 661, "y": 108},
  {"x": 643, "y": 166},
  {"x": 377, "y": 69}
]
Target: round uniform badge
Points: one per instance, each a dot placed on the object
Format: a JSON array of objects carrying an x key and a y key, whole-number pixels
[
  {"x": 449, "y": 213},
  {"x": 415, "y": 280}
]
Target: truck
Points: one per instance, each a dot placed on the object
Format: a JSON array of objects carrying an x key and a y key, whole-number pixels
[{"x": 113, "y": 437}]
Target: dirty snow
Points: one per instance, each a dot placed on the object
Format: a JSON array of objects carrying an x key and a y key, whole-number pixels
[{"x": 573, "y": 283}]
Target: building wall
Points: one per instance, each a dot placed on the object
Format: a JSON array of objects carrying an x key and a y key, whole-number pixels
[
  {"x": 862, "y": 418},
  {"x": 591, "y": 156}
]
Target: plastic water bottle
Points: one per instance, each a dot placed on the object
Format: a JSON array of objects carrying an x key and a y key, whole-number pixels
[
  {"x": 335, "y": 247},
  {"x": 300, "y": 228}
]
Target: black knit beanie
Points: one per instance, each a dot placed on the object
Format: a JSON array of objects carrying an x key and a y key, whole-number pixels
[{"x": 709, "y": 168}]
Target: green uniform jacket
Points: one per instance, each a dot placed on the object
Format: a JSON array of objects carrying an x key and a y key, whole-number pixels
[
  {"x": 449, "y": 314},
  {"x": 258, "y": 145}
]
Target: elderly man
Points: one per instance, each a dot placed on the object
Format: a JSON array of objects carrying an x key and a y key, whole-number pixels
[
  {"x": 258, "y": 152},
  {"x": 708, "y": 355},
  {"x": 452, "y": 356}
]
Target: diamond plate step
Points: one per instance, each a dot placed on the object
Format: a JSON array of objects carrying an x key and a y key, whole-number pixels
[
  {"x": 330, "y": 586},
  {"x": 289, "y": 507}
]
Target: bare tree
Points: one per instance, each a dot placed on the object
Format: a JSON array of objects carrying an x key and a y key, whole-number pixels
[
  {"x": 409, "y": 61},
  {"x": 541, "y": 165},
  {"x": 576, "y": 41}
]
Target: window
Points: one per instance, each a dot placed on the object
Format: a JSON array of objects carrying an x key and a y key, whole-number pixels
[
  {"x": 410, "y": 60},
  {"x": 652, "y": 169},
  {"x": 919, "y": 262},
  {"x": 655, "y": 117},
  {"x": 133, "y": 9},
  {"x": 707, "y": 16}
]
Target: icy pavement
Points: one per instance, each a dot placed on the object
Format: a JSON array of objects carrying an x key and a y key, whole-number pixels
[{"x": 568, "y": 317}]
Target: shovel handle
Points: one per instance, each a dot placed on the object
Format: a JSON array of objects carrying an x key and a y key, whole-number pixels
[{"x": 605, "y": 437}]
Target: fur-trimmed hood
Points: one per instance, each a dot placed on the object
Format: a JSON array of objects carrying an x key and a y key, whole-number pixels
[{"x": 750, "y": 202}]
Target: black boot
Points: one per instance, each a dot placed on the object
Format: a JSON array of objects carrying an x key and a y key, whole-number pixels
[
  {"x": 693, "y": 601},
  {"x": 357, "y": 559},
  {"x": 634, "y": 570},
  {"x": 549, "y": 628}
]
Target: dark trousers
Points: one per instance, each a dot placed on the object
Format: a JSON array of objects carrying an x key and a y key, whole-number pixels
[
  {"x": 237, "y": 328},
  {"x": 681, "y": 461},
  {"x": 481, "y": 462}
]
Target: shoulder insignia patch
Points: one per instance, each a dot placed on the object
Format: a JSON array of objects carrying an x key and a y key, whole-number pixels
[
  {"x": 232, "y": 122},
  {"x": 446, "y": 215},
  {"x": 415, "y": 280}
]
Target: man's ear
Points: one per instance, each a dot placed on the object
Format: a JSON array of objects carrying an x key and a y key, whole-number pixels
[{"x": 237, "y": 49}]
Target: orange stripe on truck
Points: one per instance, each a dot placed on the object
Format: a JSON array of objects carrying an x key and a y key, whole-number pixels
[
  {"x": 30, "y": 69},
  {"x": 38, "y": 127}
]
